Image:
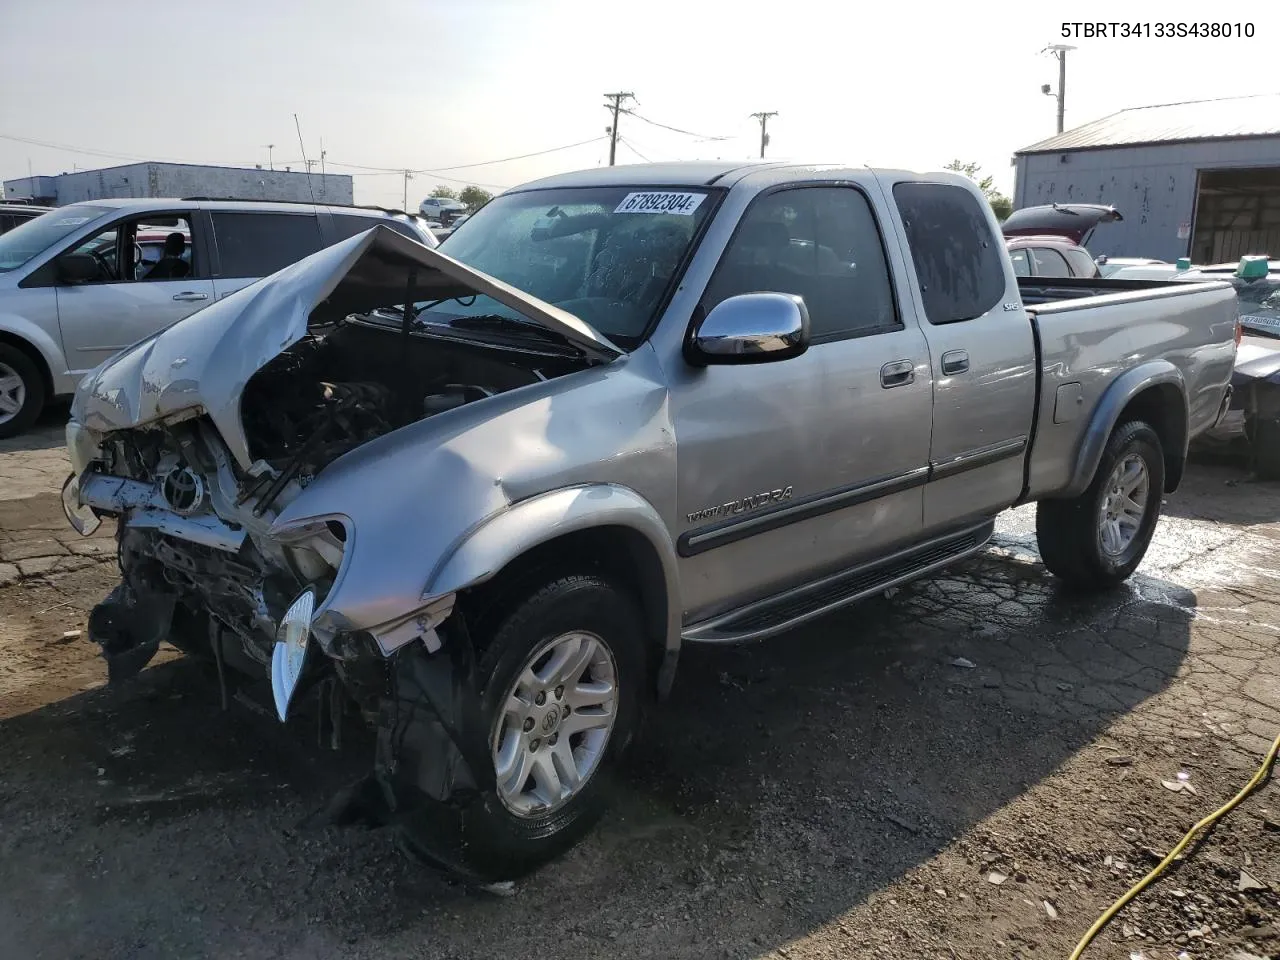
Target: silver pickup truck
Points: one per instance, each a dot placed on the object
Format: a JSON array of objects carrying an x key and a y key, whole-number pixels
[{"x": 484, "y": 494}]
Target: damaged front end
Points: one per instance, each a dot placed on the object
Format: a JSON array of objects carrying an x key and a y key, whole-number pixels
[{"x": 203, "y": 444}]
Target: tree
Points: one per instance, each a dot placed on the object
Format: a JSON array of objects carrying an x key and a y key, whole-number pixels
[
  {"x": 447, "y": 192},
  {"x": 1001, "y": 204},
  {"x": 474, "y": 197}
]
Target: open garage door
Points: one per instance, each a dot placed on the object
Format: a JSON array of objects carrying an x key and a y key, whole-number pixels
[{"x": 1237, "y": 213}]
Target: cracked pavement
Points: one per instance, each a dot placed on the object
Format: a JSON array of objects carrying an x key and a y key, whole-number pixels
[{"x": 847, "y": 790}]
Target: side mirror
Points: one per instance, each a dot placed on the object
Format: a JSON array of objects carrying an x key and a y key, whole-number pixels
[
  {"x": 751, "y": 328},
  {"x": 78, "y": 268}
]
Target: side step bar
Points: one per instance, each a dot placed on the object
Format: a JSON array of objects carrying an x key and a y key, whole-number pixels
[{"x": 789, "y": 609}]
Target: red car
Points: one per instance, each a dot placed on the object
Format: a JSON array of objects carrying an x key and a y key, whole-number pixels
[{"x": 1049, "y": 241}]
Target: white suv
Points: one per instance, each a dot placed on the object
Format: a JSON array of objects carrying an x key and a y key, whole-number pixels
[
  {"x": 81, "y": 282},
  {"x": 440, "y": 209}
]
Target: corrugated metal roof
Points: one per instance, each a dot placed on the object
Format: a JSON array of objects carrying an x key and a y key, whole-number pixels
[{"x": 1256, "y": 116}]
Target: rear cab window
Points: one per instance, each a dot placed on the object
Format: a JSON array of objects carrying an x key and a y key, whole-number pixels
[{"x": 959, "y": 260}]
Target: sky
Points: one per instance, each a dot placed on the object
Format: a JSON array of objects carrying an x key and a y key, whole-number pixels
[{"x": 433, "y": 86}]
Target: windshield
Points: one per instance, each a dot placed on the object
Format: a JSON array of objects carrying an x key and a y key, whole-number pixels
[
  {"x": 1260, "y": 304},
  {"x": 37, "y": 235},
  {"x": 608, "y": 255}
]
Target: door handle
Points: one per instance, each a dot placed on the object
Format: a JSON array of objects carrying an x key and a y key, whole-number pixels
[
  {"x": 188, "y": 296},
  {"x": 955, "y": 361},
  {"x": 897, "y": 373}
]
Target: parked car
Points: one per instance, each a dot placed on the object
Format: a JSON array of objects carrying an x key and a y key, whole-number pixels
[
  {"x": 1049, "y": 241},
  {"x": 1109, "y": 266},
  {"x": 15, "y": 214},
  {"x": 80, "y": 282},
  {"x": 634, "y": 408},
  {"x": 441, "y": 209}
]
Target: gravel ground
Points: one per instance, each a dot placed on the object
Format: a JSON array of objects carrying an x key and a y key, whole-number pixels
[{"x": 847, "y": 790}]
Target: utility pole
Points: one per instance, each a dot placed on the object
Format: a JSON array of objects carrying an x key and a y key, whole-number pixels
[
  {"x": 616, "y": 107},
  {"x": 1059, "y": 51},
  {"x": 270, "y": 147},
  {"x": 763, "y": 117},
  {"x": 408, "y": 175}
]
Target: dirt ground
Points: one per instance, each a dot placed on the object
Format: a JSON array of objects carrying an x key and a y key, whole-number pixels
[{"x": 851, "y": 790}]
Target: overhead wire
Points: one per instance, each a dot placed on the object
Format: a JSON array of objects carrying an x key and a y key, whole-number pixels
[
  {"x": 664, "y": 126},
  {"x": 366, "y": 169},
  {"x": 632, "y": 147}
]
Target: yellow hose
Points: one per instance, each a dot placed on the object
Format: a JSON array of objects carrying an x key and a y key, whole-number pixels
[{"x": 1163, "y": 865}]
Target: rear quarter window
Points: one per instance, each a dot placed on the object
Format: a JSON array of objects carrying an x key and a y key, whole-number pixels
[
  {"x": 258, "y": 244},
  {"x": 958, "y": 259}
]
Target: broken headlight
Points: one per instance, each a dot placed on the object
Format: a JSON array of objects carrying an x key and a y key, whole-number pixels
[
  {"x": 82, "y": 518},
  {"x": 293, "y": 643}
]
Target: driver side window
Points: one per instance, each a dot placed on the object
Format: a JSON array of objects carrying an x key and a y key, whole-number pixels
[
  {"x": 821, "y": 243},
  {"x": 102, "y": 249},
  {"x": 148, "y": 249}
]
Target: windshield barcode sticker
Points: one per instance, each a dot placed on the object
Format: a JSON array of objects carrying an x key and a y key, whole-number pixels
[
  {"x": 71, "y": 221},
  {"x": 681, "y": 204}
]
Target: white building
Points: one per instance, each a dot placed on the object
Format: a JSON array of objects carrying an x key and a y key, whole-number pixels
[{"x": 183, "y": 180}]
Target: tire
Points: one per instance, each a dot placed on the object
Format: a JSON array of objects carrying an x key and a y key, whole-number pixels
[
  {"x": 29, "y": 391},
  {"x": 1073, "y": 542},
  {"x": 1264, "y": 446},
  {"x": 492, "y": 841}
]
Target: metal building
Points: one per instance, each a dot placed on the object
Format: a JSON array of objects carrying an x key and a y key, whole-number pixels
[
  {"x": 183, "y": 180},
  {"x": 1198, "y": 179}
]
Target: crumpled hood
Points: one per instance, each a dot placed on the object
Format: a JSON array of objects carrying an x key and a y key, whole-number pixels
[{"x": 205, "y": 360}]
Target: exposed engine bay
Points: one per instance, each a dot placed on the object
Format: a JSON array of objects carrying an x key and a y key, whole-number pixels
[
  {"x": 329, "y": 394},
  {"x": 194, "y": 526}
]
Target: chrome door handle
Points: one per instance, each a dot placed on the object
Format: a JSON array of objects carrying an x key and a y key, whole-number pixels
[
  {"x": 955, "y": 361},
  {"x": 188, "y": 296},
  {"x": 897, "y": 373}
]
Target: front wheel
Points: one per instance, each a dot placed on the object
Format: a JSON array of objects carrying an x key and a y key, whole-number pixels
[
  {"x": 21, "y": 391},
  {"x": 1096, "y": 540},
  {"x": 562, "y": 680}
]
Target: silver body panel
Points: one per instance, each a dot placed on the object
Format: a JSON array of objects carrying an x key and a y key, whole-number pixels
[{"x": 846, "y": 470}]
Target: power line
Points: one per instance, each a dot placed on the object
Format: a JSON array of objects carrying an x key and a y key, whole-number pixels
[
  {"x": 400, "y": 171},
  {"x": 524, "y": 156},
  {"x": 630, "y": 146},
  {"x": 687, "y": 133},
  {"x": 88, "y": 152},
  {"x": 370, "y": 170}
]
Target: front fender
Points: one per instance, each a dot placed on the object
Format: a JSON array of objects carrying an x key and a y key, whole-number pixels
[
  {"x": 1106, "y": 414},
  {"x": 485, "y": 549},
  {"x": 47, "y": 346}
]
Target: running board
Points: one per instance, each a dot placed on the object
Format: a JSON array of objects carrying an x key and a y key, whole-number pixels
[{"x": 789, "y": 609}]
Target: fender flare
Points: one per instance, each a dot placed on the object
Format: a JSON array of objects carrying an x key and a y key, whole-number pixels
[
  {"x": 485, "y": 549},
  {"x": 1107, "y": 412},
  {"x": 47, "y": 349}
]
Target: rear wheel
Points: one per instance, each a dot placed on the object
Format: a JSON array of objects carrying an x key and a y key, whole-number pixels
[
  {"x": 562, "y": 676},
  {"x": 22, "y": 391},
  {"x": 1097, "y": 540}
]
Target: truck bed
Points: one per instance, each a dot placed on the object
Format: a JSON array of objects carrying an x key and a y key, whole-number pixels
[
  {"x": 1090, "y": 334},
  {"x": 1036, "y": 291}
]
